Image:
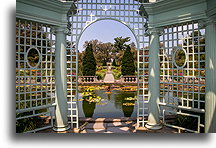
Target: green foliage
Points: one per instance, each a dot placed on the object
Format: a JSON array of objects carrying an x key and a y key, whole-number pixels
[
  {"x": 101, "y": 50},
  {"x": 90, "y": 99},
  {"x": 186, "y": 122},
  {"x": 101, "y": 74},
  {"x": 104, "y": 62},
  {"x": 30, "y": 123},
  {"x": 33, "y": 57},
  {"x": 119, "y": 43},
  {"x": 189, "y": 122},
  {"x": 80, "y": 58},
  {"x": 89, "y": 62},
  {"x": 126, "y": 104},
  {"x": 114, "y": 63},
  {"x": 104, "y": 52},
  {"x": 89, "y": 102},
  {"x": 116, "y": 73},
  {"x": 128, "y": 67},
  {"x": 27, "y": 124},
  {"x": 180, "y": 58}
]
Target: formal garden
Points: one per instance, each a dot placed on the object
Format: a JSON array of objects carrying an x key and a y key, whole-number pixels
[
  {"x": 108, "y": 60},
  {"x": 160, "y": 77}
]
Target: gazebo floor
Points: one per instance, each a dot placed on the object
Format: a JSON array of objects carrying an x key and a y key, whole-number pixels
[{"x": 111, "y": 125}]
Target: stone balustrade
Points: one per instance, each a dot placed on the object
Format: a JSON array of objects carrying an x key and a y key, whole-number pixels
[
  {"x": 128, "y": 79},
  {"x": 87, "y": 79}
]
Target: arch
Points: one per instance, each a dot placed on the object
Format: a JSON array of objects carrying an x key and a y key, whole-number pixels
[{"x": 101, "y": 19}]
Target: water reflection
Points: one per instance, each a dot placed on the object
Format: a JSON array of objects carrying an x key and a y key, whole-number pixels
[
  {"x": 127, "y": 105},
  {"x": 88, "y": 108},
  {"x": 115, "y": 103}
]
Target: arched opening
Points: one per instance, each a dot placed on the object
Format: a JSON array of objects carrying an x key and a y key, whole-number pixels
[{"x": 107, "y": 88}]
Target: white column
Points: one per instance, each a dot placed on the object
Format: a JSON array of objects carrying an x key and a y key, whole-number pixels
[
  {"x": 61, "y": 122},
  {"x": 210, "y": 102},
  {"x": 152, "y": 1},
  {"x": 154, "y": 80}
]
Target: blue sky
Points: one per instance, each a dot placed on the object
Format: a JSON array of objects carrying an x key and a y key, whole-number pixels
[{"x": 105, "y": 31}]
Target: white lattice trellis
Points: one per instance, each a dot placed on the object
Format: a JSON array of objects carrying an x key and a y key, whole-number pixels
[
  {"x": 129, "y": 13},
  {"x": 34, "y": 73},
  {"x": 183, "y": 87}
]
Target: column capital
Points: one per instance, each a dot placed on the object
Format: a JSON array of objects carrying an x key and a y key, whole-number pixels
[
  {"x": 205, "y": 22},
  {"x": 64, "y": 30},
  {"x": 154, "y": 31}
]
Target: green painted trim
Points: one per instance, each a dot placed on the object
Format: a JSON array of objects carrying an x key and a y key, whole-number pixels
[
  {"x": 168, "y": 12},
  {"x": 36, "y": 18},
  {"x": 51, "y": 12},
  {"x": 211, "y": 11},
  {"x": 169, "y": 5},
  {"x": 52, "y": 5}
]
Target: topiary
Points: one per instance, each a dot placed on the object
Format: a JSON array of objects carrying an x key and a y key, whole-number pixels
[
  {"x": 128, "y": 67},
  {"x": 89, "y": 62}
]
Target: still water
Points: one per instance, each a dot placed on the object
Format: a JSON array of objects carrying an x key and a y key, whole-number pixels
[{"x": 113, "y": 104}]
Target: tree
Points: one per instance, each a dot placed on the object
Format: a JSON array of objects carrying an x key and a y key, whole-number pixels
[
  {"x": 119, "y": 48},
  {"x": 94, "y": 43},
  {"x": 114, "y": 63},
  {"x": 104, "y": 51},
  {"x": 101, "y": 50},
  {"x": 80, "y": 59},
  {"x": 89, "y": 62},
  {"x": 119, "y": 43},
  {"x": 128, "y": 67},
  {"x": 107, "y": 51},
  {"x": 104, "y": 62}
]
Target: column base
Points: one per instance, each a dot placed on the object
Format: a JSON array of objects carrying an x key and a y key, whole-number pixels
[
  {"x": 76, "y": 130},
  {"x": 61, "y": 129},
  {"x": 153, "y": 127}
]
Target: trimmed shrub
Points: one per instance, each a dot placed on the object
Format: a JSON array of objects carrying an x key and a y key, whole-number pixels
[
  {"x": 89, "y": 62},
  {"x": 128, "y": 67},
  {"x": 104, "y": 62},
  {"x": 114, "y": 63}
]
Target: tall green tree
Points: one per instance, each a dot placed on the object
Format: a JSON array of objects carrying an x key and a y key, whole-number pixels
[
  {"x": 89, "y": 62},
  {"x": 128, "y": 67},
  {"x": 104, "y": 62},
  {"x": 120, "y": 43},
  {"x": 119, "y": 48},
  {"x": 114, "y": 63}
]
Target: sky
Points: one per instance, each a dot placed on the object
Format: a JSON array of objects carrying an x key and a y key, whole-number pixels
[{"x": 105, "y": 31}]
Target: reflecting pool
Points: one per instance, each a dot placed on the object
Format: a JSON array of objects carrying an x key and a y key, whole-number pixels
[{"x": 112, "y": 103}]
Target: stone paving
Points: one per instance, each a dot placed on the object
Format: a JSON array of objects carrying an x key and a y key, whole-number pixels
[{"x": 109, "y": 125}]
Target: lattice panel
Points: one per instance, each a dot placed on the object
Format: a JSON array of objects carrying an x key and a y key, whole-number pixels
[
  {"x": 128, "y": 12},
  {"x": 35, "y": 55},
  {"x": 183, "y": 73}
]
